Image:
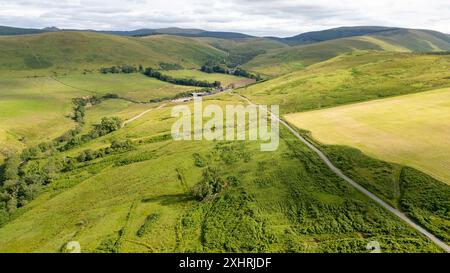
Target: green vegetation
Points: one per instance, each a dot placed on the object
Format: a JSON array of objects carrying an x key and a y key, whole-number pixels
[
  {"x": 325, "y": 46},
  {"x": 412, "y": 39},
  {"x": 352, "y": 78},
  {"x": 217, "y": 68},
  {"x": 33, "y": 110},
  {"x": 150, "y": 72},
  {"x": 411, "y": 129},
  {"x": 210, "y": 185},
  {"x": 134, "y": 87},
  {"x": 300, "y": 205},
  {"x": 224, "y": 79},
  {"x": 149, "y": 221},
  {"x": 420, "y": 196},
  {"x": 73, "y": 170},
  {"x": 170, "y": 66},
  {"x": 68, "y": 52},
  {"x": 283, "y": 61},
  {"x": 240, "y": 51},
  {"x": 24, "y": 176},
  {"x": 121, "y": 69}
]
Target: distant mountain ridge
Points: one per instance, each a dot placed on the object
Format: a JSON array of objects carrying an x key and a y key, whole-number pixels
[
  {"x": 333, "y": 33},
  {"x": 185, "y": 32},
  {"x": 300, "y": 39}
]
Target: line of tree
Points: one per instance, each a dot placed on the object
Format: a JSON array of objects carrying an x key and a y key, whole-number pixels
[
  {"x": 150, "y": 72},
  {"x": 106, "y": 126},
  {"x": 22, "y": 181},
  {"x": 22, "y": 176},
  {"x": 122, "y": 69},
  {"x": 217, "y": 68}
]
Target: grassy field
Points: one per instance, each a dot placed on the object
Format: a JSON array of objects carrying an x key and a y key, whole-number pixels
[
  {"x": 411, "y": 130},
  {"x": 33, "y": 110},
  {"x": 353, "y": 77},
  {"x": 36, "y": 109},
  {"x": 134, "y": 86},
  {"x": 224, "y": 79}
]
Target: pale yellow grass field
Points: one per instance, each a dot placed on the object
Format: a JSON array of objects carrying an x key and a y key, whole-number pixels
[{"x": 413, "y": 129}]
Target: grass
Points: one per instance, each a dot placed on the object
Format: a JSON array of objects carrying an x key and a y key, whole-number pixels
[
  {"x": 33, "y": 110},
  {"x": 36, "y": 109},
  {"x": 411, "y": 130},
  {"x": 135, "y": 86},
  {"x": 355, "y": 77},
  {"x": 415, "y": 193},
  {"x": 416, "y": 39},
  {"x": 224, "y": 79},
  {"x": 139, "y": 200},
  {"x": 243, "y": 50},
  {"x": 280, "y": 61},
  {"x": 300, "y": 206},
  {"x": 69, "y": 52}
]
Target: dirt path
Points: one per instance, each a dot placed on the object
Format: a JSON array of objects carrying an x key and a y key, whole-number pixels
[
  {"x": 141, "y": 114},
  {"x": 360, "y": 188}
]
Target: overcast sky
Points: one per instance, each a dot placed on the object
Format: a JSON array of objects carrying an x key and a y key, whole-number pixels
[{"x": 256, "y": 17}]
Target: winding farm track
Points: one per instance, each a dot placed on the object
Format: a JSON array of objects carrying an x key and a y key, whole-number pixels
[
  {"x": 360, "y": 188},
  {"x": 141, "y": 114}
]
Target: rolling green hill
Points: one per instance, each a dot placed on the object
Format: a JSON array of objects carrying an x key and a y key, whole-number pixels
[
  {"x": 331, "y": 34},
  {"x": 139, "y": 199},
  {"x": 241, "y": 51},
  {"x": 285, "y": 60},
  {"x": 418, "y": 40},
  {"x": 68, "y": 177},
  {"x": 353, "y": 77},
  {"x": 64, "y": 52}
]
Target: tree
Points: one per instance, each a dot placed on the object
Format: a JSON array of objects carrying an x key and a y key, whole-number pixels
[
  {"x": 111, "y": 123},
  {"x": 11, "y": 205},
  {"x": 11, "y": 168},
  {"x": 211, "y": 184}
]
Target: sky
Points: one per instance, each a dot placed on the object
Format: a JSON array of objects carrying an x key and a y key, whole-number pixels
[{"x": 256, "y": 17}]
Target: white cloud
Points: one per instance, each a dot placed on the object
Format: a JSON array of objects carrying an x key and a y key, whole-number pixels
[{"x": 262, "y": 17}]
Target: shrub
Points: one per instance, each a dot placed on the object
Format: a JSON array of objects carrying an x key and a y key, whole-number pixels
[
  {"x": 149, "y": 221},
  {"x": 122, "y": 144},
  {"x": 210, "y": 185},
  {"x": 199, "y": 160}
]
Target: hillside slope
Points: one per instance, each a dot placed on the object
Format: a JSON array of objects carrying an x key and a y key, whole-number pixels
[
  {"x": 243, "y": 50},
  {"x": 353, "y": 77},
  {"x": 285, "y": 60},
  {"x": 75, "y": 51},
  {"x": 331, "y": 34},
  {"x": 138, "y": 199}
]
